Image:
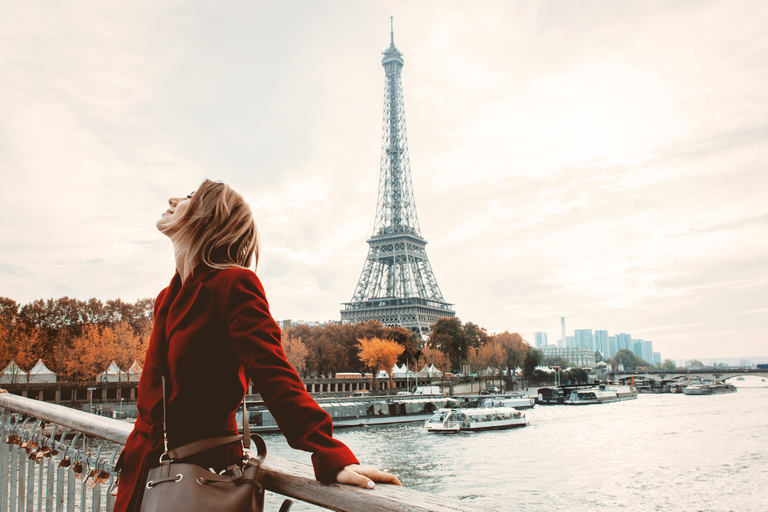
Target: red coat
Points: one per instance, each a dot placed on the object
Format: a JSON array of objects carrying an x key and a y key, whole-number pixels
[{"x": 210, "y": 335}]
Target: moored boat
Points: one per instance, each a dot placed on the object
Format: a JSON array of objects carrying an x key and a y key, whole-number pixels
[
  {"x": 600, "y": 395},
  {"x": 358, "y": 411},
  {"x": 475, "y": 420},
  {"x": 518, "y": 402},
  {"x": 550, "y": 396},
  {"x": 715, "y": 388}
]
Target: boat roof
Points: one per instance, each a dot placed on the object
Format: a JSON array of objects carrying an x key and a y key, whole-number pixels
[{"x": 482, "y": 410}]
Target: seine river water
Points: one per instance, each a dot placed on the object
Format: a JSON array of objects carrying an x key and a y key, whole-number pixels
[{"x": 659, "y": 452}]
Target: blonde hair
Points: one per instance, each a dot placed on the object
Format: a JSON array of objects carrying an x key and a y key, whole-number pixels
[{"x": 217, "y": 230}]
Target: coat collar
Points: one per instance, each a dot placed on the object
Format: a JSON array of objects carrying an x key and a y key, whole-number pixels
[{"x": 185, "y": 300}]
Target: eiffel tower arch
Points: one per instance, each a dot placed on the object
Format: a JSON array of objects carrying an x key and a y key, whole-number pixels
[{"x": 397, "y": 285}]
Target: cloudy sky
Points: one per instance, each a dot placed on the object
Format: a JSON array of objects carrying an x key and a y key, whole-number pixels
[{"x": 603, "y": 161}]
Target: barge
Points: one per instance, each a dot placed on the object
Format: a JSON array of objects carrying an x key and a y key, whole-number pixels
[{"x": 358, "y": 411}]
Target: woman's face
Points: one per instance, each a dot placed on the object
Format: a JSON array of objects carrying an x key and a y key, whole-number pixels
[{"x": 178, "y": 207}]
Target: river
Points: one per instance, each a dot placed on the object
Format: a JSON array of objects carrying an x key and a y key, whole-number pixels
[{"x": 659, "y": 452}]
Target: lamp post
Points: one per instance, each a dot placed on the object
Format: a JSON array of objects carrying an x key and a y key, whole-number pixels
[{"x": 90, "y": 399}]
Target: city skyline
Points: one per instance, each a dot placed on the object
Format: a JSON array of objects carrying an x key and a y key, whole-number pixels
[{"x": 602, "y": 161}]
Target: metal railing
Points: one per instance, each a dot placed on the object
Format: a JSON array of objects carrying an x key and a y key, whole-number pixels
[{"x": 56, "y": 458}]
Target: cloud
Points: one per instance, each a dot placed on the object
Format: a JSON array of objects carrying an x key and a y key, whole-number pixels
[{"x": 601, "y": 162}]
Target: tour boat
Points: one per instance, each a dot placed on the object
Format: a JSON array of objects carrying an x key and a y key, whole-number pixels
[
  {"x": 475, "y": 420},
  {"x": 600, "y": 395}
]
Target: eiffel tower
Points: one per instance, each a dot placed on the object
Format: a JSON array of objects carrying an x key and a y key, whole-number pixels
[{"x": 397, "y": 285}]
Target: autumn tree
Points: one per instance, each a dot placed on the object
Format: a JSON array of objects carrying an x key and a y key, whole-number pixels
[
  {"x": 296, "y": 352},
  {"x": 515, "y": 348},
  {"x": 89, "y": 354},
  {"x": 124, "y": 345},
  {"x": 433, "y": 357},
  {"x": 378, "y": 354}
]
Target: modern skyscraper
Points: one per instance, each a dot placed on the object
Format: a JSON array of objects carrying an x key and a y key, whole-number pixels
[
  {"x": 611, "y": 347},
  {"x": 540, "y": 339},
  {"x": 397, "y": 285},
  {"x": 563, "y": 341},
  {"x": 601, "y": 342},
  {"x": 623, "y": 341},
  {"x": 646, "y": 350},
  {"x": 584, "y": 338}
]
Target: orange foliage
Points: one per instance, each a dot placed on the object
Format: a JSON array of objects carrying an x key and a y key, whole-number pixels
[
  {"x": 378, "y": 354},
  {"x": 296, "y": 352},
  {"x": 433, "y": 356}
]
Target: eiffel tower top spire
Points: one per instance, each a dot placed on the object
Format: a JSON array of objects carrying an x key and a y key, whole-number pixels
[
  {"x": 392, "y": 53},
  {"x": 396, "y": 206}
]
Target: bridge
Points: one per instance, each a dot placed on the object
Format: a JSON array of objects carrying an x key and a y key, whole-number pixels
[
  {"x": 703, "y": 373},
  {"x": 42, "y": 445}
]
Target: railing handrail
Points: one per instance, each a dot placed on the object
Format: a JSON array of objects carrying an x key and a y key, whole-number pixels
[{"x": 293, "y": 479}]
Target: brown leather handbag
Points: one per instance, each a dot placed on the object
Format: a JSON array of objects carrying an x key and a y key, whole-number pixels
[{"x": 177, "y": 486}]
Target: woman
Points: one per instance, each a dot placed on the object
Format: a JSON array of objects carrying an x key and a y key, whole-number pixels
[{"x": 212, "y": 333}]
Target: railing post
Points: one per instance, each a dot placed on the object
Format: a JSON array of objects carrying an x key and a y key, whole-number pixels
[
  {"x": 49, "y": 484},
  {"x": 5, "y": 455}
]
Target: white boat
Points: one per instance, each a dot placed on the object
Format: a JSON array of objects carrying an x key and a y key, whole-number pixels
[
  {"x": 600, "y": 395},
  {"x": 474, "y": 420},
  {"x": 714, "y": 388},
  {"x": 517, "y": 402}
]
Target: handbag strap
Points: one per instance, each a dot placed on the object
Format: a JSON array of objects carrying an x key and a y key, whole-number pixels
[{"x": 212, "y": 442}]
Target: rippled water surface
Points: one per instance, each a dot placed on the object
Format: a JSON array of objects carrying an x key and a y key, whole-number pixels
[{"x": 659, "y": 452}]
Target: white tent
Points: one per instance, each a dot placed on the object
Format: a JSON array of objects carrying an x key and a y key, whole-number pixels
[
  {"x": 430, "y": 371},
  {"x": 12, "y": 374},
  {"x": 134, "y": 372},
  {"x": 401, "y": 371},
  {"x": 40, "y": 373},
  {"x": 111, "y": 374}
]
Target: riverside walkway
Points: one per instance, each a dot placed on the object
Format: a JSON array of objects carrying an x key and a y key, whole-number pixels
[{"x": 56, "y": 458}]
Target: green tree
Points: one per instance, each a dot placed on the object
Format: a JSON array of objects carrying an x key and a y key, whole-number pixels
[
  {"x": 575, "y": 376},
  {"x": 532, "y": 359},
  {"x": 447, "y": 335},
  {"x": 557, "y": 361},
  {"x": 628, "y": 359},
  {"x": 669, "y": 365}
]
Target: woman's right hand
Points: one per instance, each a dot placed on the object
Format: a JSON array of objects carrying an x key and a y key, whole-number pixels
[{"x": 365, "y": 476}]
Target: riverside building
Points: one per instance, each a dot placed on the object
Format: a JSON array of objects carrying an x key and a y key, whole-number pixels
[{"x": 578, "y": 356}]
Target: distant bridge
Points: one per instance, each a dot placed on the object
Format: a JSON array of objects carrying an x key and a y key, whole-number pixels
[{"x": 704, "y": 373}]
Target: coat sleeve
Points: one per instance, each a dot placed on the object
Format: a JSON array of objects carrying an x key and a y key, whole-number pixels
[{"x": 255, "y": 337}]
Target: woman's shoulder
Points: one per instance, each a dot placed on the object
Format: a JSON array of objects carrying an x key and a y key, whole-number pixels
[{"x": 233, "y": 275}]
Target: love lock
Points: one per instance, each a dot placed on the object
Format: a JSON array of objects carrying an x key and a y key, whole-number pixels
[{"x": 92, "y": 480}]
